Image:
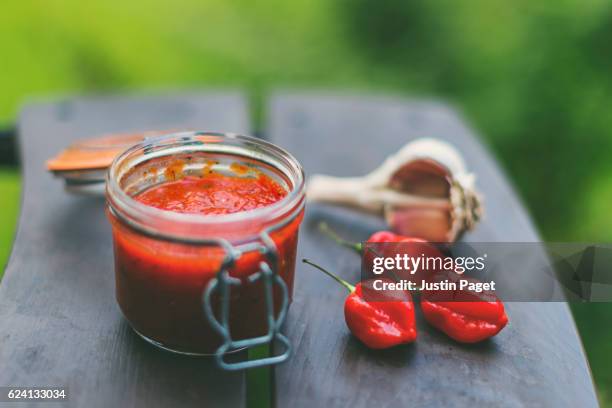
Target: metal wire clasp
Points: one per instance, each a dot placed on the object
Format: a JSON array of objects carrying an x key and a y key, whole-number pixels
[{"x": 268, "y": 272}]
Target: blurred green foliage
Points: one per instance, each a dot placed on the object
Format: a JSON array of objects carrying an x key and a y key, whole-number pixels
[
  {"x": 9, "y": 207},
  {"x": 533, "y": 78}
]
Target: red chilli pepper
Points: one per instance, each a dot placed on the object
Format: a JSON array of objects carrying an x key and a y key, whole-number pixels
[
  {"x": 412, "y": 246},
  {"x": 377, "y": 237},
  {"x": 378, "y": 324},
  {"x": 465, "y": 316}
]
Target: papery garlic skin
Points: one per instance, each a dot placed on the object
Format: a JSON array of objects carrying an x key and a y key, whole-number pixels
[
  {"x": 417, "y": 207},
  {"x": 358, "y": 192}
]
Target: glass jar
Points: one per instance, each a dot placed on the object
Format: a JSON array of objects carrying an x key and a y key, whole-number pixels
[{"x": 167, "y": 263}]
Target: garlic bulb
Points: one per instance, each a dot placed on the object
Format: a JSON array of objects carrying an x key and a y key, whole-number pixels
[{"x": 422, "y": 190}]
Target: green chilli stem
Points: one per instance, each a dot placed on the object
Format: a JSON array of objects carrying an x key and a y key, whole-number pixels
[
  {"x": 341, "y": 281},
  {"x": 355, "y": 246}
]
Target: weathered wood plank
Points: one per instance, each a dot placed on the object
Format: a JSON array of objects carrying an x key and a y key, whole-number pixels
[
  {"x": 59, "y": 323},
  {"x": 536, "y": 361}
]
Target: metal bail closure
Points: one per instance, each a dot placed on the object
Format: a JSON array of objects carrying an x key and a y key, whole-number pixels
[{"x": 268, "y": 272}]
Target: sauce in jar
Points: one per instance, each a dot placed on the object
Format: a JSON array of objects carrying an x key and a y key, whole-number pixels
[
  {"x": 160, "y": 279},
  {"x": 213, "y": 193}
]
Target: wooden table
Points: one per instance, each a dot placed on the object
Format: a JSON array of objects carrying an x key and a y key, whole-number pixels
[{"x": 60, "y": 326}]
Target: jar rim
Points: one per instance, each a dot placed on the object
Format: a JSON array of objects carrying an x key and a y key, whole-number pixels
[{"x": 120, "y": 200}]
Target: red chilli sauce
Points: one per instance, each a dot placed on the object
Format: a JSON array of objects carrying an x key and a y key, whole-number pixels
[
  {"x": 214, "y": 193},
  {"x": 160, "y": 282}
]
